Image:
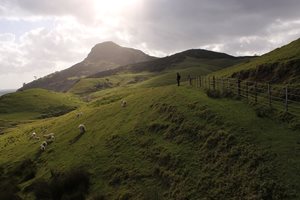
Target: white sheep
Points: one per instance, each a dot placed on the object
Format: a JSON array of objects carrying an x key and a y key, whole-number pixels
[
  {"x": 79, "y": 114},
  {"x": 51, "y": 139},
  {"x": 34, "y": 136},
  {"x": 48, "y": 136},
  {"x": 123, "y": 103},
  {"x": 82, "y": 128},
  {"x": 43, "y": 146}
]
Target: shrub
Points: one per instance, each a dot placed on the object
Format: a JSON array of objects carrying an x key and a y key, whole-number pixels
[
  {"x": 70, "y": 185},
  {"x": 263, "y": 111},
  {"x": 8, "y": 189},
  {"x": 25, "y": 171},
  {"x": 213, "y": 93}
]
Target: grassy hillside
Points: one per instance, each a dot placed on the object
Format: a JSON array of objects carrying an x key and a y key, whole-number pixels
[
  {"x": 278, "y": 66},
  {"x": 35, "y": 103},
  {"x": 190, "y": 58},
  {"x": 90, "y": 85},
  {"x": 163, "y": 70},
  {"x": 168, "y": 143}
]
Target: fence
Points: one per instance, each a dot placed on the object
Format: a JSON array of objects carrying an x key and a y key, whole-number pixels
[{"x": 283, "y": 98}]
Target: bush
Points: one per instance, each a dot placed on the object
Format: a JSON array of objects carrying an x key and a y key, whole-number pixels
[
  {"x": 8, "y": 189},
  {"x": 97, "y": 197},
  {"x": 56, "y": 111},
  {"x": 25, "y": 171},
  {"x": 263, "y": 111},
  {"x": 70, "y": 185},
  {"x": 213, "y": 93}
]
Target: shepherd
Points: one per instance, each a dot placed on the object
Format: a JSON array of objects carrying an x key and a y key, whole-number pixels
[{"x": 178, "y": 79}]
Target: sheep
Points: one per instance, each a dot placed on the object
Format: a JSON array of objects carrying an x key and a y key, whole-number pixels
[
  {"x": 45, "y": 143},
  {"x": 51, "y": 139},
  {"x": 123, "y": 103},
  {"x": 48, "y": 136},
  {"x": 34, "y": 136},
  {"x": 43, "y": 146},
  {"x": 82, "y": 128},
  {"x": 79, "y": 114}
]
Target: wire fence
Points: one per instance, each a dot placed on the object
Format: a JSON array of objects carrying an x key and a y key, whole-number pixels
[{"x": 283, "y": 98}]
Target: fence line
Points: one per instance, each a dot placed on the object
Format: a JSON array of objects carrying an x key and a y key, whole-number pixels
[{"x": 283, "y": 98}]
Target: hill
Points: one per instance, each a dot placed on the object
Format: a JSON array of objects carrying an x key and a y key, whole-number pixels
[
  {"x": 35, "y": 103},
  {"x": 2, "y": 92},
  {"x": 168, "y": 143},
  {"x": 280, "y": 66},
  {"x": 199, "y": 57},
  {"x": 190, "y": 62},
  {"x": 103, "y": 56}
]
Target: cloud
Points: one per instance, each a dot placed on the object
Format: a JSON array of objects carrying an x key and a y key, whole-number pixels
[{"x": 53, "y": 35}]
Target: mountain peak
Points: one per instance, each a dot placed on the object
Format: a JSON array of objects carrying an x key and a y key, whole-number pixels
[
  {"x": 114, "y": 53},
  {"x": 107, "y": 44}
]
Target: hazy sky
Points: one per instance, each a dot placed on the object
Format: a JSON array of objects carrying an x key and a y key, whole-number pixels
[{"x": 38, "y": 37}]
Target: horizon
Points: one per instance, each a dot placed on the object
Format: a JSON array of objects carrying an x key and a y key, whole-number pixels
[{"x": 38, "y": 38}]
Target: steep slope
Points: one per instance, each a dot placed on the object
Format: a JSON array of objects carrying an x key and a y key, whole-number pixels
[
  {"x": 168, "y": 143},
  {"x": 103, "y": 56},
  {"x": 278, "y": 66}
]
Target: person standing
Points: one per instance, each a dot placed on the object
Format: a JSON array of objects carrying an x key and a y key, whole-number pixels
[
  {"x": 190, "y": 79},
  {"x": 178, "y": 79}
]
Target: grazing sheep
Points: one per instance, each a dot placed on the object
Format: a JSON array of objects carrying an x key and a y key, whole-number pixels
[
  {"x": 51, "y": 139},
  {"x": 45, "y": 143},
  {"x": 79, "y": 114},
  {"x": 123, "y": 103},
  {"x": 43, "y": 146},
  {"x": 34, "y": 136},
  {"x": 82, "y": 128},
  {"x": 48, "y": 136}
]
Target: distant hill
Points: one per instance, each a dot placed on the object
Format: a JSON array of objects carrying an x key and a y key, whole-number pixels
[
  {"x": 103, "y": 56},
  {"x": 157, "y": 72},
  {"x": 36, "y": 103},
  {"x": 212, "y": 58},
  {"x": 278, "y": 66},
  {"x": 2, "y": 92}
]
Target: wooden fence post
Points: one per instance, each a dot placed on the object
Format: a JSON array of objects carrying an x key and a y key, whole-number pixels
[
  {"x": 223, "y": 86},
  {"x": 269, "y": 94},
  {"x": 208, "y": 83},
  {"x": 286, "y": 99},
  {"x": 247, "y": 91},
  {"x": 255, "y": 92},
  {"x": 200, "y": 79},
  {"x": 214, "y": 83},
  {"x": 228, "y": 84},
  {"x": 239, "y": 86}
]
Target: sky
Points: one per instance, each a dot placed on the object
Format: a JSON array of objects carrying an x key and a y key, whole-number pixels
[{"x": 38, "y": 37}]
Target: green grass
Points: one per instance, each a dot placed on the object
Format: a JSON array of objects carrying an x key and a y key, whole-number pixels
[
  {"x": 91, "y": 85},
  {"x": 282, "y": 61},
  {"x": 22, "y": 104},
  {"x": 169, "y": 142}
]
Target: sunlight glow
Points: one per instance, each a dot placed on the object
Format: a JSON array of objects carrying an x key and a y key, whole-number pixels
[{"x": 110, "y": 8}]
